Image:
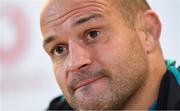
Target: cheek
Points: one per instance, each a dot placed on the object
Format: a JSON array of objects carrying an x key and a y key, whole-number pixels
[
  {"x": 62, "y": 80},
  {"x": 60, "y": 76},
  {"x": 120, "y": 53},
  {"x": 111, "y": 53}
]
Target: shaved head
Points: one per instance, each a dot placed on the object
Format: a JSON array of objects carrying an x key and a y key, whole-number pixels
[{"x": 129, "y": 9}]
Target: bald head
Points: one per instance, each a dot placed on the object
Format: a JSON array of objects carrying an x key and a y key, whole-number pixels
[{"x": 129, "y": 9}]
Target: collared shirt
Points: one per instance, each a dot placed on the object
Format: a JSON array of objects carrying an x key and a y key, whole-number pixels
[{"x": 169, "y": 92}]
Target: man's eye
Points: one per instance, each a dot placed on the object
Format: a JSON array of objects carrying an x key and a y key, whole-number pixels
[
  {"x": 59, "y": 50},
  {"x": 93, "y": 34}
]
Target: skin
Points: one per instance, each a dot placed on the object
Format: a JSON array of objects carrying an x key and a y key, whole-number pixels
[{"x": 104, "y": 63}]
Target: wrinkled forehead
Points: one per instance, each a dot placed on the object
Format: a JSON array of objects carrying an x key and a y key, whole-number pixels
[
  {"x": 61, "y": 7},
  {"x": 54, "y": 6}
]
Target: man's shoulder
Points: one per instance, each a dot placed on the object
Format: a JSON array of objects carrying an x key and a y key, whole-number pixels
[
  {"x": 174, "y": 71},
  {"x": 169, "y": 92},
  {"x": 59, "y": 103}
]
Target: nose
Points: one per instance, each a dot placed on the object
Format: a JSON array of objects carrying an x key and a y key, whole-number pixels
[{"x": 79, "y": 57}]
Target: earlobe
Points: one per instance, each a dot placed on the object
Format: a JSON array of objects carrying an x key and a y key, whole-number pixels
[{"x": 149, "y": 29}]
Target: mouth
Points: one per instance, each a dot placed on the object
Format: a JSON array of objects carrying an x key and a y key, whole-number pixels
[{"x": 87, "y": 82}]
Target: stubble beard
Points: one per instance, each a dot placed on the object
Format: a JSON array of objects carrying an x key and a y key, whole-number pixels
[{"x": 116, "y": 95}]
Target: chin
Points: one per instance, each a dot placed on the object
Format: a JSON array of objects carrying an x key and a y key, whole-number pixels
[
  {"x": 94, "y": 96},
  {"x": 100, "y": 95},
  {"x": 104, "y": 101}
]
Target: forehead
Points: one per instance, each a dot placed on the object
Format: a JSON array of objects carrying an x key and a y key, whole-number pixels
[
  {"x": 61, "y": 10},
  {"x": 64, "y": 6}
]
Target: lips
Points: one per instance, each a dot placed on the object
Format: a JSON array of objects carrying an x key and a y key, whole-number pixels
[
  {"x": 87, "y": 82},
  {"x": 84, "y": 77}
]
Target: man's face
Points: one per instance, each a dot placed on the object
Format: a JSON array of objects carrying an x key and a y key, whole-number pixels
[{"x": 99, "y": 62}]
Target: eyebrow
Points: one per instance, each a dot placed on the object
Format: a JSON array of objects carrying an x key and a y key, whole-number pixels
[
  {"x": 86, "y": 19},
  {"x": 48, "y": 40},
  {"x": 78, "y": 22}
]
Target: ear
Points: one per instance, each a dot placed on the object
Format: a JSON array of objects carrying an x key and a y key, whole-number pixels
[{"x": 148, "y": 27}]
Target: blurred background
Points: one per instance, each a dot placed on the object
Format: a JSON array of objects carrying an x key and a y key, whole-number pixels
[{"x": 26, "y": 77}]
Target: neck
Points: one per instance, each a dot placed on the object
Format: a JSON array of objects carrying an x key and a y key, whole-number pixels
[{"x": 147, "y": 94}]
